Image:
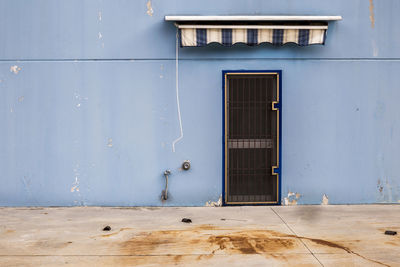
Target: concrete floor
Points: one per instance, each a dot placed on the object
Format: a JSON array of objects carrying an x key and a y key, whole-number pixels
[{"x": 228, "y": 236}]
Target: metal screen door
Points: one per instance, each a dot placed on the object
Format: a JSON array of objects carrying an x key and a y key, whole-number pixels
[{"x": 251, "y": 138}]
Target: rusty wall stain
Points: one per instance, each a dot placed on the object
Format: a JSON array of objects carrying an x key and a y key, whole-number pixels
[
  {"x": 371, "y": 13},
  {"x": 150, "y": 10}
]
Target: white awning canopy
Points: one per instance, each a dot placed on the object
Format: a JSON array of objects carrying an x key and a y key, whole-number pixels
[
  {"x": 251, "y": 30},
  {"x": 252, "y": 18}
]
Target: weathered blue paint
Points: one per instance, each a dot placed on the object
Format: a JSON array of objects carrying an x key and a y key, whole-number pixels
[{"x": 94, "y": 106}]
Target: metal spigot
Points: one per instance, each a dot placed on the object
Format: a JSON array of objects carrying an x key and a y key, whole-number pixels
[{"x": 164, "y": 193}]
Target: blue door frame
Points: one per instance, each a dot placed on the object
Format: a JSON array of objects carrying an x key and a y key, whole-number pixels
[{"x": 278, "y": 107}]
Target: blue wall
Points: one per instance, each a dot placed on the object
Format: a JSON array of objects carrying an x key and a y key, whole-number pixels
[{"x": 89, "y": 113}]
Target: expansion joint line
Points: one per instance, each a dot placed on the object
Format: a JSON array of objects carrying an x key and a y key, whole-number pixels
[{"x": 293, "y": 232}]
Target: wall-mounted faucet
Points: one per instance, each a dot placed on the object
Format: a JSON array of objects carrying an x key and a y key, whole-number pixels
[{"x": 164, "y": 193}]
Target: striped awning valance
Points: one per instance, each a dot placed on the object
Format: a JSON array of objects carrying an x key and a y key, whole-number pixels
[{"x": 228, "y": 35}]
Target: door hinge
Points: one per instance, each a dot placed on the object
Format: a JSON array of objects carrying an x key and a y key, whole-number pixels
[{"x": 275, "y": 170}]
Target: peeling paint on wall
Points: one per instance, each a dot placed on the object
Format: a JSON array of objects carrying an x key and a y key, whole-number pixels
[
  {"x": 75, "y": 185},
  {"x": 15, "y": 69},
  {"x": 325, "y": 200},
  {"x": 80, "y": 99},
  {"x": 99, "y": 16},
  {"x": 162, "y": 70},
  {"x": 100, "y": 35},
  {"x": 214, "y": 203},
  {"x": 150, "y": 10},
  {"x": 388, "y": 191},
  {"x": 26, "y": 183},
  {"x": 380, "y": 186},
  {"x": 109, "y": 143},
  {"x": 21, "y": 98},
  {"x": 371, "y": 13},
  {"x": 291, "y": 199},
  {"x": 375, "y": 49}
]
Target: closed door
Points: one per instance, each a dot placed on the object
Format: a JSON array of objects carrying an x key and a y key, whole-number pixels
[{"x": 252, "y": 138}]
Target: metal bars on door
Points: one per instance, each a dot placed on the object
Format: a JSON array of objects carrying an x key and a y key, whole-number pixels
[{"x": 251, "y": 138}]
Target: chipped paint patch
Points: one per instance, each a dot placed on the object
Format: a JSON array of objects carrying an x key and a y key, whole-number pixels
[
  {"x": 388, "y": 191},
  {"x": 379, "y": 186},
  {"x": 15, "y": 69},
  {"x": 325, "y": 200},
  {"x": 150, "y": 10},
  {"x": 21, "y": 98},
  {"x": 27, "y": 183},
  {"x": 291, "y": 199},
  {"x": 109, "y": 143},
  {"x": 99, "y": 16},
  {"x": 75, "y": 185},
  {"x": 80, "y": 99},
  {"x": 214, "y": 203},
  {"x": 100, "y": 35},
  {"x": 371, "y": 13}
]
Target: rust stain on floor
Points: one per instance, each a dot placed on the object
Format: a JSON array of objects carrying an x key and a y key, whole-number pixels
[
  {"x": 251, "y": 242},
  {"x": 190, "y": 240},
  {"x": 196, "y": 240}
]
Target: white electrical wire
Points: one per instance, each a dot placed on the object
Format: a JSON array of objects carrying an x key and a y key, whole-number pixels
[{"x": 177, "y": 92}]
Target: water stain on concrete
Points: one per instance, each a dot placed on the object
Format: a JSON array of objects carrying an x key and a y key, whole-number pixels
[
  {"x": 117, "y": 232},
  {"x": 136, "y": 208},
  {"x": 50, "y": 244}
]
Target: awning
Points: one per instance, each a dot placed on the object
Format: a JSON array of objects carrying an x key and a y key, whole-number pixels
[{"x": 251, "y": 30}]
